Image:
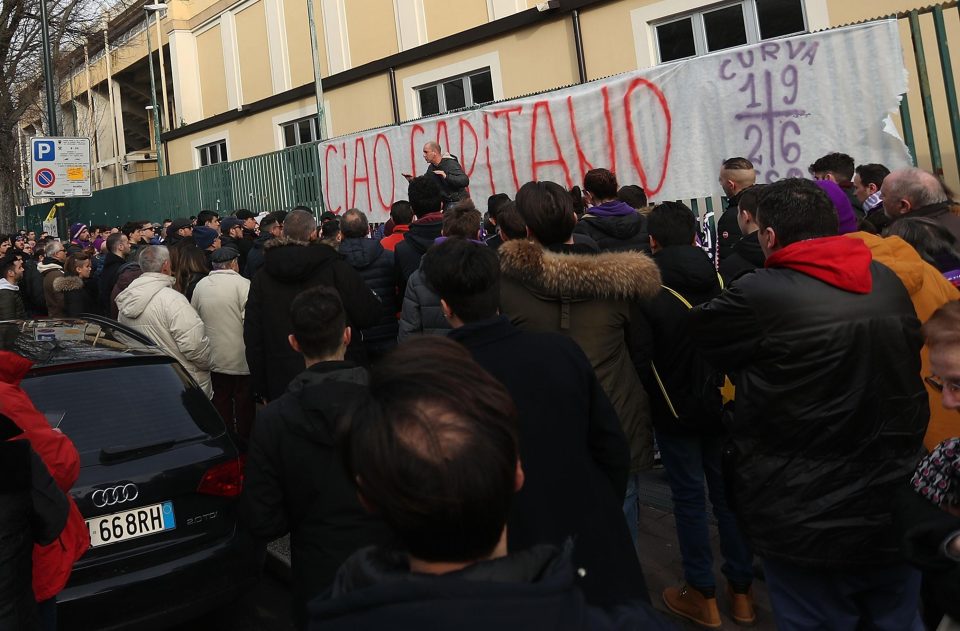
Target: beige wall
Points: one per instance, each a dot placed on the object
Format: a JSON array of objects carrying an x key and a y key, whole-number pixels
[
  {"x": 360, "y": 105},
  {"x": 608, "y": 38},
  {"x": 524, "y": 65},
  {"x": 298, "y": 41},
  {"x": 255, "y": 74},
  {"x": 446, "y": 18},
  {"x": 373, "y": 30},
  {"x": 213, "y": 79}
]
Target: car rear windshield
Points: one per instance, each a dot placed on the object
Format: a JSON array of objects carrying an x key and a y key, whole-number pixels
[{"x": 120, "y": 409}]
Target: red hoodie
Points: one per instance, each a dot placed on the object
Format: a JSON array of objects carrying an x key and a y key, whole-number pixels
[
  {"x": 52, "y": 563},
  {"x": 838, "y": 261}
]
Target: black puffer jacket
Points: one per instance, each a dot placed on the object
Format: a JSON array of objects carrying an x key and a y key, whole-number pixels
[
  {"x": 291, "y": 267},
  {"x": 255, "y": 256},
  {"x": 830, "y": 408},
  {"x": 407, "y": 253},
  {"x": 745, "y": 256},
  {"x": 616, "y": 234},
  {"x": 79, "y": 296},
  {"x": 376, "y": 266},
  {"x": 421, "y": 313},
  {"x": 31, "y": 288},
  {"x": 108, "y": 278},
  {"x": 728, "y": 230},
  {"x": 687, "y": 270},
  {"x": 295, "y": 482}
]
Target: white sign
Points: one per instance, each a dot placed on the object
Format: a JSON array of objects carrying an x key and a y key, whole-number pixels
[
  {"x": 780, "y": 103},
  {"x": 60, "y": 167}
]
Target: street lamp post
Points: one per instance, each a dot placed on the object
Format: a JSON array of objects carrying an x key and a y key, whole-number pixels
[
  {"x": 48, "y": 72},
  {"x": 153, "y": 87}
]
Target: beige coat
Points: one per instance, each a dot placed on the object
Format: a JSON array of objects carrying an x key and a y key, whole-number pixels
[
  {"x": 153, "y": 307},
  {"x": 587, "y": 298},
  {"x": 220, "y": 299}
]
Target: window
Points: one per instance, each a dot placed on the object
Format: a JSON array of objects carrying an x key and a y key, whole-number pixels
[
  {"x": 726, "y": 26},
  {"x": 213, "y": 153},
  {"x": 300, "y": 131},
  {"x": 455, "y": 93}
]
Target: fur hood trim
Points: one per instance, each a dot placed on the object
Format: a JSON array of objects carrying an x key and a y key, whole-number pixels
[
  {"x": 608, "y": 275},
  {"x": 67, "y": 283},
  {"x": 276, "y": 243}
]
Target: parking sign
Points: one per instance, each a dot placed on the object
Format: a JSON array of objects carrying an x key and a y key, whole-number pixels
[{"x": 60, "y": 167}]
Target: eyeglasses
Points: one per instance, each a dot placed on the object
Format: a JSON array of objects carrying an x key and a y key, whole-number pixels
[
  {"x": 938, "y": 385},
  {"x": 145, "y": 228}
]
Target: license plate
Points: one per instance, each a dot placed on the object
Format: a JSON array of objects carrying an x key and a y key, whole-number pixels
[{"x": 130, "y": 524}]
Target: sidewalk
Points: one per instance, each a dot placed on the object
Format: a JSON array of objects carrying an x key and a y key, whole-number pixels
[{"x": 660, "y": 556}]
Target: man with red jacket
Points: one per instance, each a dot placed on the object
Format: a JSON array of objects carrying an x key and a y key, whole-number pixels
[{"x": 52, "y": 563}]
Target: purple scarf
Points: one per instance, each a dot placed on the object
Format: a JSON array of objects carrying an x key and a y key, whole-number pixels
[{"x": 614, "y": 208}]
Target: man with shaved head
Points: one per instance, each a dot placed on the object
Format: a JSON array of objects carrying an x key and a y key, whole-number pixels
[
  {"x": 917, "y": 193},
  {"x": 736, "y": 175},
  {"x": 446, "y": 169}
]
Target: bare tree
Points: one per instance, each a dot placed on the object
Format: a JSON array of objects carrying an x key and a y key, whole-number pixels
[{"x": 70, "y": 23}]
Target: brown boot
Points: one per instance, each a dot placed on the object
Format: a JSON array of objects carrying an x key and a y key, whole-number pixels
[
  {"x": 691, "y": 604},
  {"x": 741, "y": 606}
]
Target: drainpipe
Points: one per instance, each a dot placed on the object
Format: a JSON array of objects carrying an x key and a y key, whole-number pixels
[
  {"x": 393, "y": 96},
  {"x": 578, "y": 44}
]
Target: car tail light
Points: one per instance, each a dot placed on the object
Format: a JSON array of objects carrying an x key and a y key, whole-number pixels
[{"x": 224, "y": 479}]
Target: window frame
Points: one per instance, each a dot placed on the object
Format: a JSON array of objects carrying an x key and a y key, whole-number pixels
[
  {"x": 751, "y": 25},
  {"x": 204, "y": 151},
  {"x": 464, "y": 78},
  {"x": 295, "y": 123}
]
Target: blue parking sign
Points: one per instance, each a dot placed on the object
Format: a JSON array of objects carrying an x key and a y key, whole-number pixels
[{"x": 44, "y": 150}]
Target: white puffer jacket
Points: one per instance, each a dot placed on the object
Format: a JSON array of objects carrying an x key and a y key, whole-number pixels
[
  {"x": 153, "y": 307},
  {"x": 221, "y": 300}
]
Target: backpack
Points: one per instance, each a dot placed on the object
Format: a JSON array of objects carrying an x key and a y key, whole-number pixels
[{"x": 710, "y": 387}]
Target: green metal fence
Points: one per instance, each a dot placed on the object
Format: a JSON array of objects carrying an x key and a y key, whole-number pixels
[
  {"x": 274, "y": 181},
  {"x": 291, "y": 177}
]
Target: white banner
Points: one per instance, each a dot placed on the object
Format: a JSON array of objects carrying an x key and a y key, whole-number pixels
[{"x": 782, "y": 104}]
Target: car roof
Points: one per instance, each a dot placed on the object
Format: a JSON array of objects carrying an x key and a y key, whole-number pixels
[{"x": 62, "y": 341}]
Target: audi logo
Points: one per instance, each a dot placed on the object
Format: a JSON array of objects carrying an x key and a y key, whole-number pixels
[{"x": 115, "y": 495}]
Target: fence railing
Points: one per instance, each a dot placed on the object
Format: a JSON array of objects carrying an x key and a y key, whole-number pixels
[{"x": 290, "y": 177}]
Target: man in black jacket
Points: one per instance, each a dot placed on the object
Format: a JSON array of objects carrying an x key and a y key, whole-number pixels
[
  {"x": 271, "y": 227},
  {"x": 375, "y": 264},
  {"x": 575, "y": 456},
  {"x": 746, "y": 255},
  {"x": 685, "y": 405},
  {"x": 294, "y": 481},
  {"x": 293, "y": 263},
  {"x": 736, "y": 175},
  {"x": 435, "y": 453},
  {"x": 118, "y": 247},
  {"x": 446, "y": 172},
  {"x": 830, "y": 415},
  {"x": 914, "y": 192},
  {"x": 427, "y": 202}
]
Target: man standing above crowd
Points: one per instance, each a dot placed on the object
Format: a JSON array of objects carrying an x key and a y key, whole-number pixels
[
  {"x": 830, "y": 415},
  {"x": 736, "y": 175},
  {"x": 293, "y": 263},
  {"x": 916, "y": 193},
  {"x": 445, "y": 170},
  {"x": 220, "y": 299}
]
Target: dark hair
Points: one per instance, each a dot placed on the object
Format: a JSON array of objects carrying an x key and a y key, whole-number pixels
[
  {"x": 73, "y": 262},
  {"x": 796, "y": 209},
  {"x": 495, "y": 202},
  {"x": 354, "y": 223},
  {"x": 425, "y": 196},
  {"x": 7, "y": 263},
  {"x": 934, "y": 243},
  {"x": 190, "y": 260},
  {"x": 130, "y": 227},
  {"x": 329, "y": 229},
  {"x": 601, "y": 183},
  {"x": 672, "y": 223},
  {"x": 837, "y": 163},
  {"x": 243, "y": 213},
  {"x": 317, "y": 320},
  {"x": 434, "y": 451},
  {"x": 632, "y": 195},
  {"x": 401, "y": 212},
  {"x": 579, "y": 206},
  {"x": 737, "y": 164},
  {"x": 749, "y": 198},
  {"x": 547, "y": 209},
  {"x": 872, "y": 174},
  {"x": 463, "y": 220},
  {"x": 113, "y": 241},
  {"x": 466, "y": 275},
  {"x": 206, "y": 215},
  {"x": 268, "y": 221},
  {"x": 510, "y": 223}
]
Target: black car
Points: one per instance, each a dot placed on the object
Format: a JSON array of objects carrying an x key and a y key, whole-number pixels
[{"x": 159, "y": 479}]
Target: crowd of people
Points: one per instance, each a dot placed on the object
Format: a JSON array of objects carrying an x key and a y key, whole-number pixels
[{"x": 450, "y": 414}]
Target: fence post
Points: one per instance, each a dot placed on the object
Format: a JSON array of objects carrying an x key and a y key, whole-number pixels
[
  {"x": 949, "y": 84},
  {"x": 927, "y": 98}
]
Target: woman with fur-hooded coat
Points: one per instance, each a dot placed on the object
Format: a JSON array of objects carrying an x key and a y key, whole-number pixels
[{"x": 551, "y": 284}]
